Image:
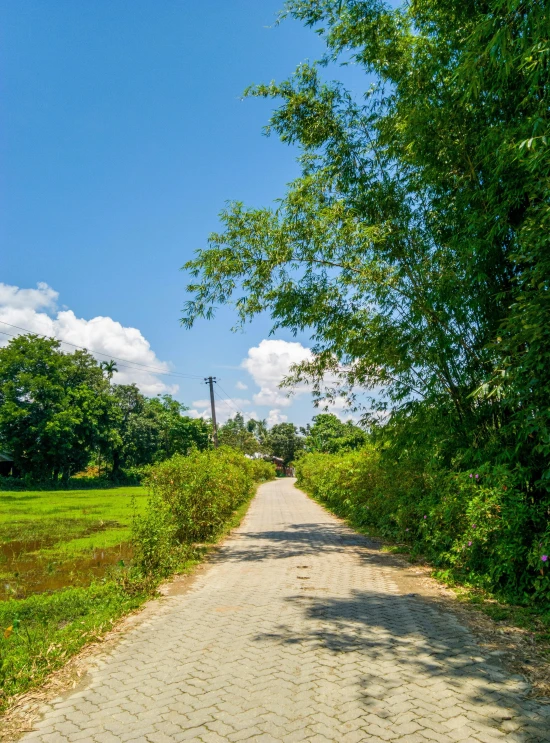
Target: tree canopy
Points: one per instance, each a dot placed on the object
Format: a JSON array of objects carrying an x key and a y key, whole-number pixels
[
  {"x": 330, "y": 435},
  {"x": 240, "y": 435},
  {"x": 284, "y": 441},
  {"x": 54, "y": 407},
  {"x": 413, "y": 247},
  {"x": 147, "y": 430},
  {"x": 59, "y": 411}
]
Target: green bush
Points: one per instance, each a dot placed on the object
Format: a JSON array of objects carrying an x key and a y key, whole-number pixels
[
  {"x": 201, "y": 490},
  {"x": 192, "y": 497},
  {"x": 153, "y": 536},
  {"x": 260, "y": 470},
  {"x": 482, "y": 527}
]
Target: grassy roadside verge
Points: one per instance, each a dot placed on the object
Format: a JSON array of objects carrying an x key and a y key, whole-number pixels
[{"x": 40, "y": 633}]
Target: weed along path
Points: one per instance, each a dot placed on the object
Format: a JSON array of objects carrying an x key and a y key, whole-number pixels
[{"x": 297, "y": 630}]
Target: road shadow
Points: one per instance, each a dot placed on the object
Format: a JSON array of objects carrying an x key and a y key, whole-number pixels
[
  {"x": 416, "y": 660},
  {"x": 295, "y": 540}
]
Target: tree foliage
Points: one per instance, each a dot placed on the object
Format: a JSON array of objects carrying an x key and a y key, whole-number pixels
[
  {"x": 59, "y": 410},
  {"x": 284, "y": 441},
  {"x": 237, "y": 434},
  {"x": 147, "y": 430},
  {"x": 413, "y": 246},
  {"x": 54, "y": 407},
  {"x": 330, "y": 435}
]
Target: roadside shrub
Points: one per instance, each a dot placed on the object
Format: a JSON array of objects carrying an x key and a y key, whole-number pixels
[
  {"x": 260, "y": 470},
  {"x": 153, "y": 535},
  {"x": 481, "y": 526},
  {"x": 201, "y": 490},
  {"x": 191, "y": 499}
]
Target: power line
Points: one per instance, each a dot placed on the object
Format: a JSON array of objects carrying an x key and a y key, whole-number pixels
[
  {"x": 101, "y": 353},
  {"x": 228, "y": 403},
  {"x": 230, "y": 399},
  {"x": 239, "y": 412},
  {"x": 232, "y": 402}
]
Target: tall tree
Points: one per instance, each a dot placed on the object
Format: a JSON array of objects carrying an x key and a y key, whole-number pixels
[
  {"x": 109, "y": 367},
  {"x": 414, "y": 245},
  {"x": 236, "y": 434},
  {"x": 146, "y": 430},
  {"x": 54, "y": 407},
  {"x": 329, "y": 434},
  {"x": 259, "y": 429},
  {"x": 284, "y": 441}
]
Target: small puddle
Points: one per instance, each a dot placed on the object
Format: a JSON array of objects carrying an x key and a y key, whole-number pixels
[{"x": 25, "y": 571}]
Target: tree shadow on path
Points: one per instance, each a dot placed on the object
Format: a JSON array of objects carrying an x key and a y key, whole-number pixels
[{"x": 415, "y": 664}]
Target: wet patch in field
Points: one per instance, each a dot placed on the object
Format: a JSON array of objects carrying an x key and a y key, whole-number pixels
[{"x": 25, "y": 569}]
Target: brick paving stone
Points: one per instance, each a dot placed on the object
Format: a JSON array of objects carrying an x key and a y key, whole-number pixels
[{"x": 296, "y": 631}]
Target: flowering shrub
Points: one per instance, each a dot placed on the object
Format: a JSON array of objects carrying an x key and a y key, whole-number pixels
[{"x": 481, "y": 526}]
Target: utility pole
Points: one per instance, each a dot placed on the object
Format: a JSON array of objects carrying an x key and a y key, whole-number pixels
[{"x": 210, "y": 381}]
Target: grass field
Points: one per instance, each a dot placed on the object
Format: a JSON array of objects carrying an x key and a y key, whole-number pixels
[
  {"x": 45, "y": 625},
  {"x": 53, "y": 539}
]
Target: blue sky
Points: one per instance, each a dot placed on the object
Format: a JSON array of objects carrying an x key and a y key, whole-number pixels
[{"x": 123, "y": 135}]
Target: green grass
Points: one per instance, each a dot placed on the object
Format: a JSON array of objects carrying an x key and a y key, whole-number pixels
[
  {"x": 32, "y": 515},
  {"x": 40, "y": 633},
  {"x": 47, "y": 629},
  {"x": 48, "y": 539}
]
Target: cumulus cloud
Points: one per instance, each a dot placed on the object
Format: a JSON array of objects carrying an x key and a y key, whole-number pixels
[
  {"x": 275, "y": 416},
  {"x": 241, "y": 386},
  {"x": 43, "y": 297},
  {"x": 225, "y": 409},
  {"x": 268, "y": 364},
  {"x": 36, "y": 310}
]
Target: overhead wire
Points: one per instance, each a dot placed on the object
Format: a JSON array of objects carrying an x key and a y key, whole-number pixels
[
  {"x": 230, "y": 402},
  {"x": 234, "y": 404},
  {"x": 126, "y": 363}
]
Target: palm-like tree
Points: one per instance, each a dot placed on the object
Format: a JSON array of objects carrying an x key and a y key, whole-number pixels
[
  {"x": 109, "y": 367},
  {"x": 262, "y": 430}
]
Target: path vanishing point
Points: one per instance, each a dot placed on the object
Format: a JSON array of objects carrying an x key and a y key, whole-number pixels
[{"x": 297, "y": 630}]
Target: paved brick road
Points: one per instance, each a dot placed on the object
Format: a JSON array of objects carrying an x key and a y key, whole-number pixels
[{"x": 296, "y": 632}]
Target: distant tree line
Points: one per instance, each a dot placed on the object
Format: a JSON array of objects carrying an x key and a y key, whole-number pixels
[
  {"x": 60, "y": 412},
  {"x": 328, "y": 435}
]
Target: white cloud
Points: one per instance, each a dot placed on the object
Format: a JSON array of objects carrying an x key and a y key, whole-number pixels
[
  {"x": 241, "y": 386},
  {"x": 43, "y": 297},
  {"x": 268, "y": 363},
  {"x": 275, "y": 416},
  {"x": 100, "y": 335},
  {"x": 225, "y": 409}
]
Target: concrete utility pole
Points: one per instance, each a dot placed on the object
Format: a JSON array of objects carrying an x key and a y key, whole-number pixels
[{"x": 210, "y": 381}]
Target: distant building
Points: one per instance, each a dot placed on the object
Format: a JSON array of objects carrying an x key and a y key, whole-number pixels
[{"x": 7, "y": 466}]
